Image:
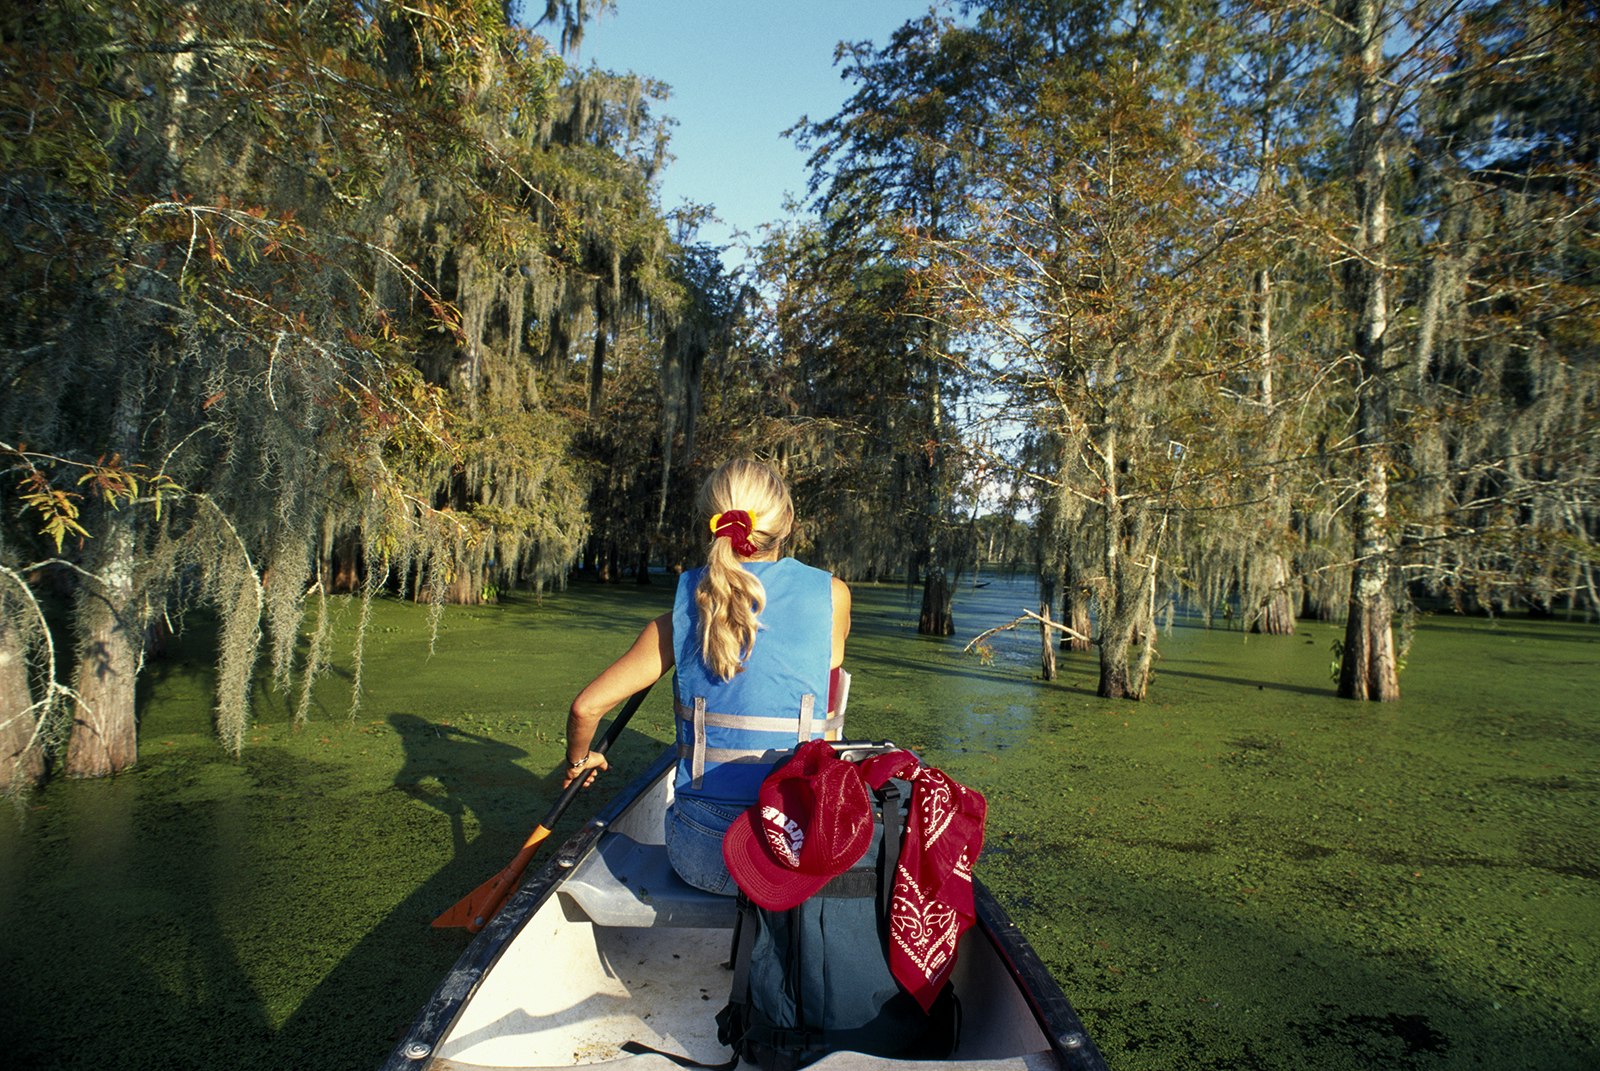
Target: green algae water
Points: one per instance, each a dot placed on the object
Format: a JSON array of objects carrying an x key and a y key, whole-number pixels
[{"x": 1240, "y": 872}]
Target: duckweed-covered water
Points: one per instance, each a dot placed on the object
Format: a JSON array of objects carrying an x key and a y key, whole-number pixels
[{"x": 1240, "y": 872}]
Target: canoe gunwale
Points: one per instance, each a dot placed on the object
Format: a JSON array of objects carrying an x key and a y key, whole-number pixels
[{"x": 1069, "y": 1041}]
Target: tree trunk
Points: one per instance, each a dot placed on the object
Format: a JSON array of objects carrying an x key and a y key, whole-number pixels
[
  {"x": 325, "y": 550},
  {"x": 1144, "y": 634},
  {"x": 936, "y": 618},
  {"x": 104, "y": 726},
  {"x": 1114, "y": 625},
  {"x": 1114, "y": 675},
  {"x": 607, "y": 293},
  {"x": 21, "y": 758},
  {"x": 466, "y": 589},
  {"x": 1074, "y": 611},
  {"x": 109, "y": 615},
  {"x": 345, "y": 564},
  {"x": 1275, "y": 613},
  {"x": 1047, "y": 646},
  {"x": 1368, "y": 670},
  {"x": 1124, "y": 595},
  {"x": 597, "y": 362}
]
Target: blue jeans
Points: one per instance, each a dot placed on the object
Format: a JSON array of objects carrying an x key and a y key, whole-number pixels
[{"x": 694, "y": 842}]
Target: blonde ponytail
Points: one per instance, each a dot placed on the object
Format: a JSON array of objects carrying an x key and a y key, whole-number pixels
[{"x": 729, "y": 597}]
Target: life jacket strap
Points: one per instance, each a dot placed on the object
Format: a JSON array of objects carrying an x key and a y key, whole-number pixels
[
  {"x": 806, "y": 727},
  {"x": 722, "y": 755},
  {"x": 697, "y": 762}
]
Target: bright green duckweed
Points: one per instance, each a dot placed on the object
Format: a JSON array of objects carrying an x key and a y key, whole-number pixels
[{"x": 1241, "y": 872}]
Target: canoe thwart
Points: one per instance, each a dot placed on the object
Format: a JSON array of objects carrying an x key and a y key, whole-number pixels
[{"x": 628, "y": 883}]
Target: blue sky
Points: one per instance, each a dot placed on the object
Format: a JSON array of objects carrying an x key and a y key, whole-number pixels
[{"x": 741, "y": 72}]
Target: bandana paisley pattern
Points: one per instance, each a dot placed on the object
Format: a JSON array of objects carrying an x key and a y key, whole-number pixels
[{"x": 933, "y": 901}]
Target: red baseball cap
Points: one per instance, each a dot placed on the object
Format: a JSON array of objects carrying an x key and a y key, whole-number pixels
[{"x": 811, "y": 821}]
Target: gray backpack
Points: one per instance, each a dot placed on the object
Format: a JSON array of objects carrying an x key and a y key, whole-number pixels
[{"x": 815, "y": 979}]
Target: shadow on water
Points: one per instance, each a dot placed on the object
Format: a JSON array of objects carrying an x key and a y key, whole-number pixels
[
  {"x": 467, "y": 779},
  {"x": 1543, "y": 632},
  {"x": 106, "y": 861},
  {"x": 470, "y": 780},
  {"x": 258, "y": 913},
  {"x": 445, "y": 769},
  {"x": 1247, "y": 682}
]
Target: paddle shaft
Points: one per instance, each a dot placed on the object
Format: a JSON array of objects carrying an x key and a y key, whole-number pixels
[
  {"x": 599, "y": 747},
  {"x": 476, "y": 909}
]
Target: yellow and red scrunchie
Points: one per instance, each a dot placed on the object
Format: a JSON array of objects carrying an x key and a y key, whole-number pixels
[{"x": 738, "y": 526}]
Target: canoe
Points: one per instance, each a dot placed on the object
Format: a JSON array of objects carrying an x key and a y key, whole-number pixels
[{"x": 605, "y": 945}]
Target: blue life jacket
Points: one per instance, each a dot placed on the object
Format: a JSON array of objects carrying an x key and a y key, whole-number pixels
[{"x": 730, "y": 732}]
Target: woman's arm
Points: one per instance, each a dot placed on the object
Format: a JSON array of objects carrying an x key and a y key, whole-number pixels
[{"x": 643, "y": 664}]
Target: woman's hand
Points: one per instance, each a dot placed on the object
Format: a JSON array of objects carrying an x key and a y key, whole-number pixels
[{"x": 589, "y": 769}]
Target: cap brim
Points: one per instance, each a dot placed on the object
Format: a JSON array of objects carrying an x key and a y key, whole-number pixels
[{"x": 763, "y": 879}]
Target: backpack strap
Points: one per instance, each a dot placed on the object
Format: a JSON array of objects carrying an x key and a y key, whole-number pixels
[
  {"x": 797, "y": 963},
  {"x": 639, "y": 1048},
  {"x": 778, "y": 1048},
  {"x": 744, "y": 943},
  {"x": 893, "y": 823},
  {"x": 733, "y": 1021}
]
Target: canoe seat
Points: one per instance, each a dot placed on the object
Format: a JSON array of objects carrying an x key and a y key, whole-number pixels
[{"x": 628, "y": 883}]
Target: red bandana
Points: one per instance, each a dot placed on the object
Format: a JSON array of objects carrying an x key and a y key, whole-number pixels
[
  {"x": 738, "y": 526},
  {"x": 933, "y": 899}
]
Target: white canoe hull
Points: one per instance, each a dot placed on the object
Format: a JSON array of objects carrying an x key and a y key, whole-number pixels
[{"x": 605, "y": 946}]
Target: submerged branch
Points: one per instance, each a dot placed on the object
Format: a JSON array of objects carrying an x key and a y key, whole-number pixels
[{"x": 1027, "y": 616}]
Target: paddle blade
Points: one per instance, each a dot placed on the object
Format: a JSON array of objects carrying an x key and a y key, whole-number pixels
[{"x": 474, "y": 910}]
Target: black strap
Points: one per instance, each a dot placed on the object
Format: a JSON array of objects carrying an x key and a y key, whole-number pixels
[
  {"x": 733, "y": 1021},
  {"x": 788, "y": 1046},
  {"x": 851, "y": 885},
  {"x": 744, "y": 943},
  {"x": 639, "y": 1048},
  {"x": 889, "y": 797},
  {"x": 796, "y": 964}
]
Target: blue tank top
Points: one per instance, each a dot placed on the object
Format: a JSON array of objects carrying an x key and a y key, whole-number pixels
[{"x": 730, "y": 732}]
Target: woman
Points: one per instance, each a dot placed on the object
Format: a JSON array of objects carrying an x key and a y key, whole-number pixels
[{"x": 754, "y": 638}]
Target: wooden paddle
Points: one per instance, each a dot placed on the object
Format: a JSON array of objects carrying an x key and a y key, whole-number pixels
[{"x": 476, "y": 908}]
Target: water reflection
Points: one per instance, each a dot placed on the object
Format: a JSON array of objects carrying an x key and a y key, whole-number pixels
[
  {"x": 930, "y": 694},
  {"x": 978, "y": 728}
]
